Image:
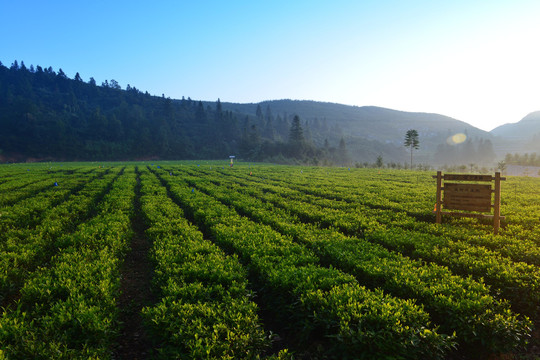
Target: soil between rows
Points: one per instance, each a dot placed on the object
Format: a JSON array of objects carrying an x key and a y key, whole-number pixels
[{"x": 135, "y": 287}]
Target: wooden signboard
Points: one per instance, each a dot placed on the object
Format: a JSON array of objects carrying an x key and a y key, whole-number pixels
[
  {"x": 469, "y": 197},
  {"x": 460, "y": 195},
  {"x": 468, "y": 177}
]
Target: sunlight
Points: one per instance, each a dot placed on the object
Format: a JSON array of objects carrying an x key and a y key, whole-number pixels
[{"x": 456, "y": 139}]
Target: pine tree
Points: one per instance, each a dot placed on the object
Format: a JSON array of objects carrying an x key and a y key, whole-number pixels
[
  {"x": 296, "y": 133},
  {"x": 296, "y": 138},
  {"x": 411, "y": 141}
]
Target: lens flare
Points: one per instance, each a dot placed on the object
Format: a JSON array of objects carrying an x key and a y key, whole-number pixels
[{"x": 456, "y": 139}]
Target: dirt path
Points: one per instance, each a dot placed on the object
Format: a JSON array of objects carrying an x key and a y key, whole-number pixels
[{"x": 136, "y": 273}]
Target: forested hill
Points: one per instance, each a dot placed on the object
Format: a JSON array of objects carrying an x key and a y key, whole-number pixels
[
  {"x": 385, "y": 126},
  {"x": 44, "y": 115}
]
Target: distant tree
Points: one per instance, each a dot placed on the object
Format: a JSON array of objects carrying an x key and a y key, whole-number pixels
[
  {"x": 296, "y": 133},
  {"x": 411, "y": 141},
  {"x": 296, "y": 138},
  {"x": 78, "y": 77},
  {"x": 501, "y": 165},
  {"x": 92, "y": 81},
  {"x": 15, "y": 65},
  {"x": 379, "y": 163},
  {"x": 522, "y": 159},
  {"x": 62, "y": 74},
  {"x": 114, "y": 84}
]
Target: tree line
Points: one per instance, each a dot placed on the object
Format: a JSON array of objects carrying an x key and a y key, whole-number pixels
[
  {"x": 532, "y": 159},
  {"x": 45, "y": 115}
]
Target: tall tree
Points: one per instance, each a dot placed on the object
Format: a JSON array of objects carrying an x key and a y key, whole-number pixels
[
  {"x": 296, "y": 133},
  {"x": 379, "y": 163},
  {"x": 296, "y": 138},
  {"x": 411, "y": 141}
]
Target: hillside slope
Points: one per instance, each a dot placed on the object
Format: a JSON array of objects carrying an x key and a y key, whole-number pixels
[
  {"x": 369, "y": 128},
  {"x": 44, "y": 115},
  {"x": 367, "y": 121},
  {"x": 523, "y": 136}
]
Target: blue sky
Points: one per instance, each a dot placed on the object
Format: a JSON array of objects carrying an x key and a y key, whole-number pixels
[{"x": 476, "y": 61}]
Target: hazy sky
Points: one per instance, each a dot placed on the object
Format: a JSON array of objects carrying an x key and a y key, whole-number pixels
[{"x": 476, "y": 61}]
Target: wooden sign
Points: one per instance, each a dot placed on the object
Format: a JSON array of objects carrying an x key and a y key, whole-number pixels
[
  {"x": 469, "y": 197},
  {"x": 468, "y": 177}
]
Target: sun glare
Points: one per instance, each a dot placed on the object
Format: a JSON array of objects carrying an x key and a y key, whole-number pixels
[{"x": 456, "y": 139}]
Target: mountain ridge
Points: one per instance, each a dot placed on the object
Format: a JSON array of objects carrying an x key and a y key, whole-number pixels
[
  {"x": 520, "y": 137},
  {"x": 521, "y": 128},
  {"x": 383, "y": 124},
  {"x": 46, "y": 115}
]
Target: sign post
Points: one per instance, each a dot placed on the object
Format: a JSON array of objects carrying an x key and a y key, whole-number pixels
[{"x": 465, "y": 194}]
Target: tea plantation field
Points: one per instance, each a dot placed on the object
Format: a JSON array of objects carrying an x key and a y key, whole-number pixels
[{"x": 200, "y": 260}]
